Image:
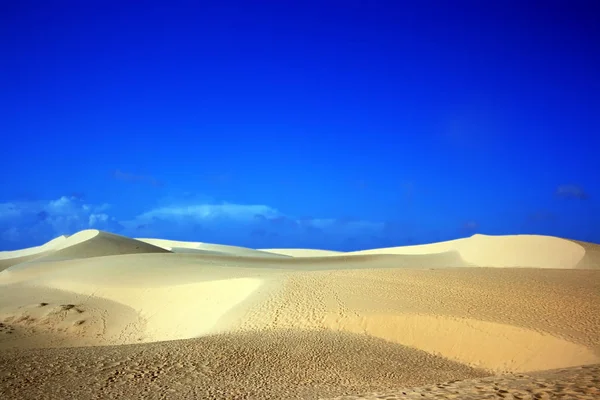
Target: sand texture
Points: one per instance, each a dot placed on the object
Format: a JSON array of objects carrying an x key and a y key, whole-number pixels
[{"x": 98, "y": 315}]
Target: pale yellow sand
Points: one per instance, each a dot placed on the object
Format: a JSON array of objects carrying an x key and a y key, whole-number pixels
[
  {"x": 516, "y": 251},
  {"x": 304, "y": 252},
  {"x": 94, "y": 243},
  {"x": 207, "y": 248},
  {"x": 303, "y": 323},
  {"x": 8, "y": 258},
  {"x": 572, "y": 383}
]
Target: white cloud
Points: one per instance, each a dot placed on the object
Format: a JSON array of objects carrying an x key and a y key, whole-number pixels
[
  {"x": 210, "y": 211},
  {"x": 24, "y": 224},
  {"x": 30, "y": 223},
  {"x": 253, "y": 225},
  {"x": 97, "y": 218}
]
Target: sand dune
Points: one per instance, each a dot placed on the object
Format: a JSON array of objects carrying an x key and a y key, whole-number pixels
[
  {"x": 94, "y": 243},
  {"x": 207, "y": 248},
  {"x": 311, "y": 323},
  {"x": 304, "y": 252},
  {"x": 571, "y": 383},
  {"x": 34, "y": 250},
  {"x": 84, "y": 244},
  {"x": 8, "y": 258},
  {"x": 510, "y": 251}
]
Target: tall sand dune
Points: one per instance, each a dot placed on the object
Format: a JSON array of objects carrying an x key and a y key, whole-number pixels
[
  {"x": 512, "y": 251},
  {"x": 219, "y": 321},
  {"x": 94, "y": 243}
]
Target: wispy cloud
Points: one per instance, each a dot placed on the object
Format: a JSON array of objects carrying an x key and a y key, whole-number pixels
[
  {"x": 253, "y": 225},
  {"x": 24, "y": 224},
  {"x": 28, "y": 223}
]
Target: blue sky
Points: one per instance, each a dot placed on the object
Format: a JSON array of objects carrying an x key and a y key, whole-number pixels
[{"x": 341, "y": 125}]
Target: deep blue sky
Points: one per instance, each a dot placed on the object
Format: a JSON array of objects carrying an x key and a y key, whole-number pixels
[{"x": 340, "y": 125}]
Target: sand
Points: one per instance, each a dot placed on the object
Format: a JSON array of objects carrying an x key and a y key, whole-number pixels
[
  {"x": 303, "y": 252},
  {"x": 97, "y": 315},
  {"x": 176, "y": 246}
]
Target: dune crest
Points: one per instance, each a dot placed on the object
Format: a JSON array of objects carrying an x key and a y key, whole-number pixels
[
  {"x": 14, "y": 257},
  {"x": 95, "y": 243},
  {"x": 52, "y": 244},
  {"x": 207, "y": 248},
  {"x": 514, "y": 251},
  {"x": 506, "y": 251}
]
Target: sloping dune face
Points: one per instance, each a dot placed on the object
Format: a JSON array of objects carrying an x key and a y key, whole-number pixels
[
  {"x": 591, "y": 259},
  {"x": 94, "y": 243},
  {"x": 9, "y": 258},
  {"x": 208, "y": 248},
  {"x": 475, "y": 316},
  {"x": 510, "y": 251},
  {"x": 84, "y": 244},
  {"x": 97, "y": 288},
  {"x": 53, "y": 244},
  {"x": 531, "y": 251},
  {"x": 304, "y": 252}
]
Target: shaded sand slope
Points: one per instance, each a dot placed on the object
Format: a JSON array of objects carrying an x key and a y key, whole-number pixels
[
  {"x": 515, "y": 251},
  {"x": 266, "y": 365},
  {"x": 283, "y": 365},
  {"x": 591, "y": 259},
  {"x": 94, "y": 243},
  {"x": 207, "y": 248},
  {"x": 84, "y": 244},
  {"x": 152, "y": 270},
  {"x": 304, "y": 252}
]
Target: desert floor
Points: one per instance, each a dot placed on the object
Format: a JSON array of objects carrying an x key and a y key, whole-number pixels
[{"x": 97, "y": 315}]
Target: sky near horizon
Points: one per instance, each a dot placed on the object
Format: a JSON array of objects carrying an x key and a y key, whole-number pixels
[{"x": 338, "y": 125}]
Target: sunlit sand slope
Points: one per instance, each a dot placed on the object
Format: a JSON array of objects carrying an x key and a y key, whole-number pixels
[
  {"x": 514, "y": 251},
  {"x": 8, "y": 258},
  {"x": 571, "y": 383},
  {"x": 208, "y": 248}
]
